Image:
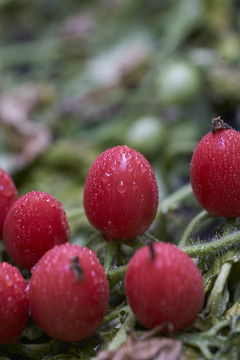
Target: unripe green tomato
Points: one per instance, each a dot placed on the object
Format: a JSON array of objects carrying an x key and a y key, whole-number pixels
[
  {"x": 177, "y": 83},
  {"x": 146, "y": 134}
]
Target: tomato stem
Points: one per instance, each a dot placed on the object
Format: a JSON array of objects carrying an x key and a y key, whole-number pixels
[
  {"x": 212, "y": 248},
  {"x": 121, "y": 335},
  {"x": 114, "y": 314},
  {"x": 219, "y": 124},
  {"x": 194, "y": 223},
  {"x": 116, "y": 275},
  {"x": 77, "y": 269},
  {"x": 110, "y": 250},
  {"x": 75, "y": 212},
  {"x": 171, "y": 203},
  {"x": 214, "y": 300},
  {"x": 151, "y": 248},
  {"x": 35, "y": 351}
]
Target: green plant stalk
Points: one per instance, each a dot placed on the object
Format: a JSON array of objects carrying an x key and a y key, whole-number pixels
[
  {"x": 34, "y": 351},
  {"x": 121, "y": 335},
  {"x": 195, "y": 222},
  {"x": 76, "y": 212},
  {"x": 216, "y": 293},
  {"x": 114, "y": 314},
  {"x": 116, "y": 275},
  {"x": 212, "y": 248},
  {"x": 171, "y": 202},
  {"x": 110, "y": 250}
]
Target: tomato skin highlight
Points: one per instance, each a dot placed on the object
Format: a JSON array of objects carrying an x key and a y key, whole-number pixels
[
  {"x": 8, "y": 195},
  {"x": 215, "y": 173},
  {"x": 121, "y": 193},
  {"x": 66, "y": 306},
  {"x": 35, "y": 223},
  {"x": 14, "y": 304},
  {"x": 165, "y": 288}
]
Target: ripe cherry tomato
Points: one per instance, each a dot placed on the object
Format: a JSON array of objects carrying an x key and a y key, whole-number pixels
[
  {"x": 163, "y": 285},
  {"x": 69, "y": 292},
  {"x": 121, "y": 193},
  {"x": 8, "y": 194},
  {"x": 14, "y": 304},
  {"x": 215, "y": 171},
  {"x": 34, "y": 224}
]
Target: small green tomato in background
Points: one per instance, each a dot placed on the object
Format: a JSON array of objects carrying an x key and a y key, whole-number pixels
[
  {"x": 146, "y": 133},
  {"x": 177, "y": 83}
]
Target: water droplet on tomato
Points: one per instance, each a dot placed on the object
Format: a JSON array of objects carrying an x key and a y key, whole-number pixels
[
  {"x": 25, "y": 201},
  {"x": 137, "y": 160},
  {"x": 143, "y": 168},
  {"x": 114, "y": 165},
  {"x": 105, "y": 177},
  {"x": 129, "y": 168},
  {"x": 108, "y": 186},
  {"x": 121, "y": 187},
  {"x": 93, "y": 273},
  {"x": 134, "y": 186},
  {"x": 128, "y": 155}
]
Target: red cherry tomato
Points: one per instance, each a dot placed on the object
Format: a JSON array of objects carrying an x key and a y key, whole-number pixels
[
  {"x": 34, "y": 224},
  {"x": 69, "y": 292},
  {"x": 8, "y": 195},
  {"x": 14, "y": 304},
  {"x": 215, "y": 173},
  {"x": 121, "y": 193},
  {"x": 164, "y": 286}
]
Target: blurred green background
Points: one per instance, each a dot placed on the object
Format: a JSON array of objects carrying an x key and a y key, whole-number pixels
[{"x": 77, "y": 77}]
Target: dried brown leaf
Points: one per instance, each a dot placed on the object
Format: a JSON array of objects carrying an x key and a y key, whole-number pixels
[
  {"x": 26, "y": 138},
  {"x": 80, "y": 25},
  {"x": 157, "y": 348}
]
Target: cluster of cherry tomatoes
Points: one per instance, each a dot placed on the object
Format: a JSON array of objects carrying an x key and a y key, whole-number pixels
[{"x": 68, "y": 291}]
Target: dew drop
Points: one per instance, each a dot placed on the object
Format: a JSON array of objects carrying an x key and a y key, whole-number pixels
[
  {"x": 121, "y": 187},
  {"x": 108, "y": 186},
  {"x": 134, "y": 186},
  {"x": 143, "y": 168},
  {"x": 105, "y": 177},
  {"x": 137, "y": 160},
  {"x": 50, "y": 230},
  {"x": 114, "y": 165},
  {"x": 25, "y": 201},
  {"x": 128, "y": 155},
  {"x": 129, "y": 168},
  {"x": 93, "y": 272}
]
